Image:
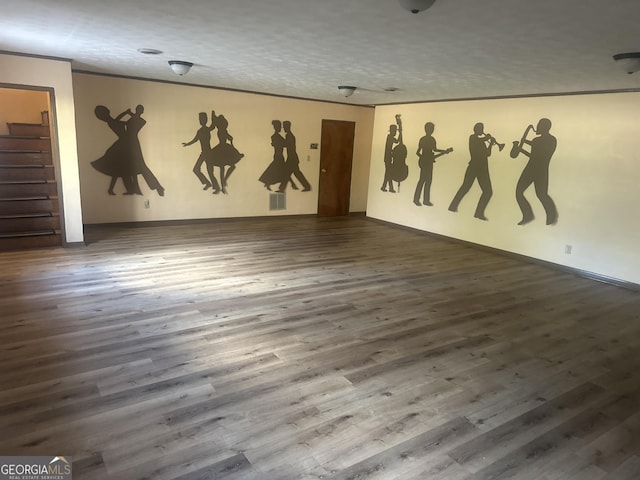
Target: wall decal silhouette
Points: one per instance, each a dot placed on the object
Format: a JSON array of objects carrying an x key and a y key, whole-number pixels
[
  {"x": 427, "y": 153},
  {"x": 280, "y": 169},
  {"x": 124, "y": 158},
  {"x": 276, "y": 170},
  {"x": 536, "y": 172},
  {"x": 223, "y": 155},
  {"x": 399, "y": 168},
  {"x": 480, "y": 145},
  {"x": 203, "y": 135},
  {"x": 292, "y": 162},
  {"x": 388, "y": 158},
  {"x": 395, "y": 166}
]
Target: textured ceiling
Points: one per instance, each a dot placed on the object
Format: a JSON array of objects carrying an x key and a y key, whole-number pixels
[{"x": 306, "y": 48}]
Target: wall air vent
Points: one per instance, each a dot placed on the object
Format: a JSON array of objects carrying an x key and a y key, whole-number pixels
[{"x": 277, "y": 201}]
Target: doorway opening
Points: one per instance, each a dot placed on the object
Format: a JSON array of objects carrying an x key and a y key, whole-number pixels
[{"x": 29, "y": 201}]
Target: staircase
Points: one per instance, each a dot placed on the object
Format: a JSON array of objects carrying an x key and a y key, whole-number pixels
[{"x": 29, "y": 211}]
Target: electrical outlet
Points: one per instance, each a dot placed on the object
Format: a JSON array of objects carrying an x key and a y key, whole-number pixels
[
  {"x": 567, "y": 249},
  {"x": 146, "y": 204}
]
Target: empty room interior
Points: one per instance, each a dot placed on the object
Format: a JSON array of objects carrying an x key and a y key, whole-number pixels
[{"x": 285, "y": 240}]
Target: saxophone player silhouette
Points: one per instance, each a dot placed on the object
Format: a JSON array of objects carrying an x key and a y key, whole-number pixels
[{"x": 536, "y": 172}]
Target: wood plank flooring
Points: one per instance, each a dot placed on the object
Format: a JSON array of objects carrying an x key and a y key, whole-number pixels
[{"x": 314, "y": 348}]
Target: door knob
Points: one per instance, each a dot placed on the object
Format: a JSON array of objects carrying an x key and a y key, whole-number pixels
[{"x": 324, "y": 170}]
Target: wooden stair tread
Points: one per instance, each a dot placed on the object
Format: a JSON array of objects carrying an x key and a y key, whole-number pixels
[
  {"x": 9, "y": 150},
  {"x": 26, "y": 165},
  {"x": 8, "y": 216},
  {"x": 27, "y": 199},
  {"x": 22, "y": 157},
  {"x": 29, "y": 182},
  {"x": 33, "y": 233},
  {"x": 21, "y": 136},
  {"x": 14, "y": 167},
  {"x": 27, "y": 124}
]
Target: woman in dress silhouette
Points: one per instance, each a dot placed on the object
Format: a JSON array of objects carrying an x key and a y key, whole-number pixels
[
  {"x": 115, "y": 162},
  {"x": 277, "y": 169},
  {"x": 224, "y": 154}
]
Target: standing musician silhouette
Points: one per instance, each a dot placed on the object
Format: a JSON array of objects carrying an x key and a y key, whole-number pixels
[
  {"x": 426, "y": 152},
  {"x": 479, "y": 149},
  {"x": 388, "y": 159},
  {"x": 536, "y": 171}
]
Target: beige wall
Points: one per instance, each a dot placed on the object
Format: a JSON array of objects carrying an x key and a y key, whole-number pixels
[
  {"x": 21, "y": 106},
  {"x": 594, "y": 178},
  {"x": 593, "y": 175},
  {"x": 30, "y": 72},
  {"x": 171, "y": 112}
]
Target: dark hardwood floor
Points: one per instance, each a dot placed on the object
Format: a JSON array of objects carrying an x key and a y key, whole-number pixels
[{"x": 314, "y": 348}]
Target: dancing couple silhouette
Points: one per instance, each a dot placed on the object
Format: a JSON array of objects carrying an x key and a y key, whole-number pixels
[
  {"x": 124, "y": 158},
  {"x": 280, "y": 169},
  {"x": 224, "y": 155}
]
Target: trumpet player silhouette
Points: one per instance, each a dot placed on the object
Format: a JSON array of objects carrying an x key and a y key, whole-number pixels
[
  {"x": 536, "y": 171},
  {"x": 480, "y": 145},
  {"x": 427, "y": 153}
]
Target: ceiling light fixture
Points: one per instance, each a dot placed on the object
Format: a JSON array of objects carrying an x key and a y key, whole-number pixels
[
  {"x": 179, "y": 67},
  {"x": 346, "y": 90},
  {"x": 415, "y": 6},
  {"x": 149, "y": 51},
  {"x": 629, "y": 62}
]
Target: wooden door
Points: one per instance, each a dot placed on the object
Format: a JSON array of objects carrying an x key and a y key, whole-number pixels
[{"x": 336, "y": 156}]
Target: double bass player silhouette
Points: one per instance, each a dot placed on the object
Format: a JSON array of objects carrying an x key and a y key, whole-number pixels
[
  {"x": 388, "y": 158},
  {"x": 395, "y": 158}
]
